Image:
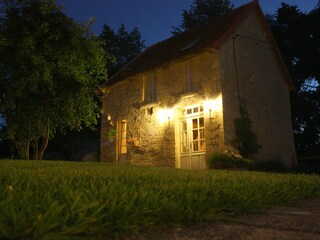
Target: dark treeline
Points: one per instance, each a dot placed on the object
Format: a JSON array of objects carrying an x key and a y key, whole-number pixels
[{"x": 298, "y": 37}]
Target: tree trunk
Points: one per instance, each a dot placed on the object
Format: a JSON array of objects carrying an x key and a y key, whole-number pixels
[
  {"x": 44, "y": 142},
  {"x": 35, "y": 151},
  {"x": 20, "y": 152},
  {"x": 23, "y": 149},
  {"x": 27, "y": 150}
]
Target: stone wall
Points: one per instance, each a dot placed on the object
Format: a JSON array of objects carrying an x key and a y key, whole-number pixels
[
  {"x": 262, "y": 90},
  {"x": 158, "y": 139}
]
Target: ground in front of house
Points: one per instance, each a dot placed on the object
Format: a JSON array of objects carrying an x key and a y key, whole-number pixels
[
  {"x": 70, "y": 200},
  {"x": 300, "y": 221}
]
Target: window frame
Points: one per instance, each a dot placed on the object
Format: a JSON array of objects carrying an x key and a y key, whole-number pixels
[
  {"x": 122, "y": 136},
  {"x": 188, "y": 77},
  {"x": 149, "y": 88}
]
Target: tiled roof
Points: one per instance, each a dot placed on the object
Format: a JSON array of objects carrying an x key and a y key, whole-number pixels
[{"x": 212, "y": 33}]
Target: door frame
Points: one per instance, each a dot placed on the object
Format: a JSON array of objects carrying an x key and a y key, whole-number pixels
[
  {"x": 188, "y": 118},
  {"x": 121, "y": 142}
]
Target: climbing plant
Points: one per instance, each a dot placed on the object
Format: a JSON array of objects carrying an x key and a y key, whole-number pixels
[{"x": 246, "y": 140}]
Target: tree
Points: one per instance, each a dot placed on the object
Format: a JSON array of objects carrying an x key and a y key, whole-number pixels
[
  {"x": 50, "y": 67},
  {"x": 123, "y": 46},
  {"x": 201, "y": 11},
  {"x": 298, "y": 37}
]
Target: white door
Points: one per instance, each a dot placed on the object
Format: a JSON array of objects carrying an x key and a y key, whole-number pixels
[{"x": 192, "y": 140}]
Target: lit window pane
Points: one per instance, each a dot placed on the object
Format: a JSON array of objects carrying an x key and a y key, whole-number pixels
[
  {"x": 184, "y": 147},
  {"x": 122, "y": 129},
  {"x": 201, "y": 122},
  {"x": 202, "y": 145},
  {"x": 195, "y": 134},
  {"x": 201, "y": 133},
  {"x": 184, "y": 136},
  {"x": 195, "y": 146},
  {"x": 194, "y": 123},
  {"x": 123, "y": 149}
]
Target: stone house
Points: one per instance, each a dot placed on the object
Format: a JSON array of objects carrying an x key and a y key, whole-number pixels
[{"x": 175, "y": 104}]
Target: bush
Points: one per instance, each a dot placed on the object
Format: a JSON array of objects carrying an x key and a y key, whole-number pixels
[
  {"x": 227, "y": 160},
  {"x": 270, "y": 166},
  {"x": 90, "y": 157}
]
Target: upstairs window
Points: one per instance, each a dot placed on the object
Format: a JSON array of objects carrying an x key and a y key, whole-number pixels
[
  {"x": 149, "y": 88},
  {"x": 188, "y": 77}
]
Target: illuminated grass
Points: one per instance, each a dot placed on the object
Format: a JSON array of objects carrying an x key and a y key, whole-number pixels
[{"x": 67, "y": 200}]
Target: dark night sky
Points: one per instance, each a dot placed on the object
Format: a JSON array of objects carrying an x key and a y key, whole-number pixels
[{"x": 154, "y": 18}]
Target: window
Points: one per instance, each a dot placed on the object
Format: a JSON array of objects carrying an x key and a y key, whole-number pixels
[
  {"x": 192, "y": 110},
  {"x": 192, "y": 139},
  {"x": 188, "y": 77},
  {"x": 149, "y": 88},
  {"x": 198, "y": 140},
  {"x": 122, "y": 137},
  {"x": 184, "y": 136}
]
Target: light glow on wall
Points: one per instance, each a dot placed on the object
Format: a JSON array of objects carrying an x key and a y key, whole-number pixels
[
  {"x": 165, "y": 115},
  {"x": 213, "y": 105}
]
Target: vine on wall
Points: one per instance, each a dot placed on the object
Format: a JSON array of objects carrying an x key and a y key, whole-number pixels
[{"x": 246, "y": 140}]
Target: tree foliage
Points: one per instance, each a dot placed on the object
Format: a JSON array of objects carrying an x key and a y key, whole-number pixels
[
  {"x": 298, "y": 37},
  {"x": 122, "y": 45},
  {"x": 50, "y": 67},
  {"x": 201, "y": 11}
]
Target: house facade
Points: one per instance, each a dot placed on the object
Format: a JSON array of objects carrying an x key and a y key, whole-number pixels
[{"x": 175, "y": 104}]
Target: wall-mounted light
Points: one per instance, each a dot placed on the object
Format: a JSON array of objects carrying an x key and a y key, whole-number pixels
[
  {"x": 110, "y": 122},
  {"x": 209, "y": 106},
  {"x": 213, "y": 105},
  {"x": 165, "y": 115}
]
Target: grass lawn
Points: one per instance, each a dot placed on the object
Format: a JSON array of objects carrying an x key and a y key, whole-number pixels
[{"x": 68, "y": 200}]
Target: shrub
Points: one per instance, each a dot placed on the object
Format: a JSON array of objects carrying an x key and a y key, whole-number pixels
[
  {"x": 227, "y": 159},
  {"x": 270, "y": 166},
  {"x": 90, "y": 157}
]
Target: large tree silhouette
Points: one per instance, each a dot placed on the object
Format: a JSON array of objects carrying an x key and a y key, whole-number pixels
[
  {"x": 298, "y": 37},
  {"x": 50, "y": 67},
  {"x": 122, "y": 45},
  {"x": 201, "y": 11}
]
